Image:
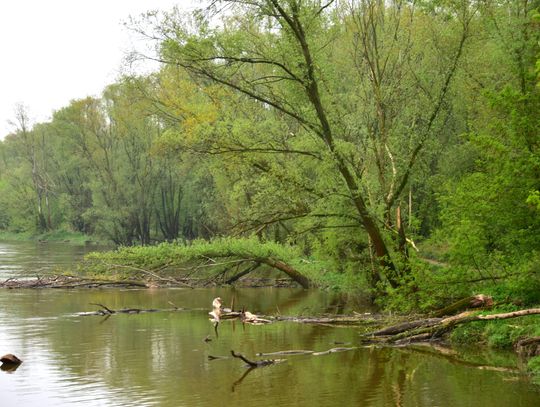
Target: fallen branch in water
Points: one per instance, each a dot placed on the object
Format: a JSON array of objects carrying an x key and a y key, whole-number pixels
[
  {"x": 62, "y": 281},
  {"x": 333, "y": 350},
  {"x": 433, "y": 328},
  {"x": 257, "y": 363},
  {"x": 107, "y": 311},
  {"x": 335, "y": 320},
  {"x": 287, "y": 352},
  {"x": 306, "y": 352}
]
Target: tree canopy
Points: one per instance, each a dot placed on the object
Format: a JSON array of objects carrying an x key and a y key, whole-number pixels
[{"x": 364, "y": 133}]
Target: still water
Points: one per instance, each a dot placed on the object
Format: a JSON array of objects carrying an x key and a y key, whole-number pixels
[
  {"x": 30, "y": 259},
  {"x": 161, "y": 359}
]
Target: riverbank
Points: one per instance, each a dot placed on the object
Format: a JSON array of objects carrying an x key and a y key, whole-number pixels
[
  {"x": 53, "y": 236},
  {"x": 159, "y": 351},
  {"x": 522, "y": 335},
  {"x": 174, "y": 266}
]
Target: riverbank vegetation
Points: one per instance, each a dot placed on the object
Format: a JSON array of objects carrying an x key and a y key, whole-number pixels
[{"x": 342, "y": 143}]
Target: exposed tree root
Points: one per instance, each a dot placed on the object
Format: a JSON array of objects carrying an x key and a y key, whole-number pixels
[{"x": 528, "y": 347}]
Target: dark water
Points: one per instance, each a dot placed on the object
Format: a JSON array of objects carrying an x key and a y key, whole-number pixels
[{"x": 161, "y": 359}]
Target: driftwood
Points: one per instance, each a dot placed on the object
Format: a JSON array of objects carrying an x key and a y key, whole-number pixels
[
  {"x": 257, "y": 363},
  {"x": 288, "y": 352},
  {"x": 249, "y": 318},
  {"x": 107, "y": 311},
  {"x": 62, "y": 281},
  {"x": 307, "y": 352},
  {"x": 433, "y": 328},
  {"x": 334, "y": 320},
  {"x": 333, "y": 350}
]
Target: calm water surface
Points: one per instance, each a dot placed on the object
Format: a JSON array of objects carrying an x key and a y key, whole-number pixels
[
  {"x": 161, "y": 359},
  {"x": 28, "y": 259}
]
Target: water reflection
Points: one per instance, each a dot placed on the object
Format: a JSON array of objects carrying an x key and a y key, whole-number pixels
[
  {"x": 28, "y": 259},
  {"x": 162, "y": 358}
]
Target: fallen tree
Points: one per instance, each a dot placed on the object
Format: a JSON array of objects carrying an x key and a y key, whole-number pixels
[
  {"x": 222, "y": 260},
  {"x": 433, "y": 328},
  {"x": 65, "y": 281}
]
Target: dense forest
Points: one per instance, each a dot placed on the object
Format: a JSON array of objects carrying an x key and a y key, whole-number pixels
[{"x": 362, "y": 136}]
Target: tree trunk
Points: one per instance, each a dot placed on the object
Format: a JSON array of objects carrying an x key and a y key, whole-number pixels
[{"x": 287, "y": 269}]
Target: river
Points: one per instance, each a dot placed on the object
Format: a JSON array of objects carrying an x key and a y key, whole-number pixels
[{"x": 161, "y": 359}]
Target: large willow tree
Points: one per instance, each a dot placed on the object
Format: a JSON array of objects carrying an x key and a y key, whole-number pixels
[{"x": 356, "y": 90}]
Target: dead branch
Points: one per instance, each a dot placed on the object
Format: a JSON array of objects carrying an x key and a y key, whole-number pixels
[
  {"x": 475, "y": 301},
  {"x": 151, "y": 273},
  {"x": 61, "y": 281},
  {"x": 287, "y": 352},
  {"x": 242, "y": 273},
  {"x": 432, "y": 328},
  {"x": 257, "y": 363},
  {"x": 108, "y": 312},
  {"x": 333, "y": 350},
  {"x": 336, "y": 320},
  {"x": 306, "y": 352}
]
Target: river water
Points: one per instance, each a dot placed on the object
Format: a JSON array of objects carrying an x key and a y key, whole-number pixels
[{"x": 161, "y": 358}]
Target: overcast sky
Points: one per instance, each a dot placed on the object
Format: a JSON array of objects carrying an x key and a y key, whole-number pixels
[{"x": 53, "y": 51}]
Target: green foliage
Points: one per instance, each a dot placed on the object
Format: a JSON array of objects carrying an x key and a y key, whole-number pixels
[
  {"x": 427, "y": 129},
  {"x": 534, "y": 199},
  {"x": 534, "y": 366},
  {"x": 496, "y": 334},
  {"x": 468, "y": 334}
]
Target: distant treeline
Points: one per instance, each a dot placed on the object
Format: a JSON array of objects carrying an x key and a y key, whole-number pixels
[{"x": 350, "y": 129}]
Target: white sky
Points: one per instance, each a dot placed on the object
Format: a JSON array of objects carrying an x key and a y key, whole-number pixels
[{"x": 53, "y": 51}]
